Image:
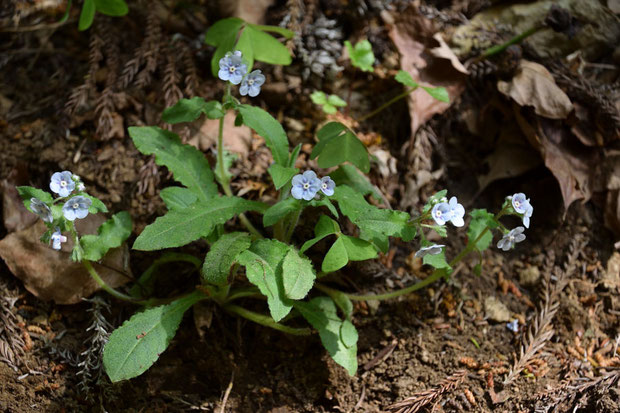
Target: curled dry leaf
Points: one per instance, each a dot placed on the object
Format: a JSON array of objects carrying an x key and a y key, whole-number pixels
[
  {"x": 533, "y": 85},
  {"x": 412, "y": 34},
  {"x": 50, "y": 274},
  {"x": 444, "y": 52}
]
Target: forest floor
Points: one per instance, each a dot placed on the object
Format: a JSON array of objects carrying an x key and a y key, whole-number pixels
[{"x": 444, "y": 348}]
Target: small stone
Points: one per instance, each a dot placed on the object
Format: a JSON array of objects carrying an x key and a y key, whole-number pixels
[
  {"x": 496, "y": 310},
  {"x": 529, "y": 276}
]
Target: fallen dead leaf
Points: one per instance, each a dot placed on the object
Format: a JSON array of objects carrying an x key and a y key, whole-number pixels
[
  {"x": 51, "y": 275},
  {"x": 412, "y": 34},
  {"x": 237, "y": 139},
  {"x": 444, "y": 52},
  {"x": 14, "y": 215},
  {"x": 533, "y": 85}
]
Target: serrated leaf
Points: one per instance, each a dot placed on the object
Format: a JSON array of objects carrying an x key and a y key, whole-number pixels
[
  {"x": 361, "y": 54},
  {"x": 323, "y": 228},
  {"x": 223, "y": 35},
  {"x": 406, "y": 79},
  {"x": 111, "y": 234},
  {"x": 481, "y": 219},
  {"x": 298, "y": 275},
  {"x": 87, "y": 15},
  {"x": 321, "y": 313},
  {"x": 318, "y": 97},
  {"x": 338, "y": 144},
  {"x": 269, "y": 129},
  {"x": 187, "y": 164},
  {"x": 336, "y": 257},
  {"x": 439, "y": 93},
  {"x": 278, "y": 211},
  {"x": 177, "y": 197},
  {"x": 222, "y": 256},
  {"x": 188, "y": 110},
  {"x": 182, "y": 226},
  {"x": 112, "y": 7},
  {"x": 138, "y": 343},
  {"x": 281, "y": 175},
  {"x": 351, "y": 176},
  {"x": 263, "y": 263}
]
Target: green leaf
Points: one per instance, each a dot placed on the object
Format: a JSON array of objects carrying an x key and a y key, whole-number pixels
[
  {"x": 111, "y": 234},
  {"x": 437, "y": 260},
  {"x": 263, "y": 263},
  {"x": 321, "y": 313},
  {"x": 329, "y": 109},
  {"x": 433, "y": 200},
  {"x": 361, "y": 55},
  {"x": 177, "y": 197},
  {"x": 112, "y": 7},
  {"x": 441, "y": 230},
  {"x": 294, "y": 154},
  {"x": 223, "y": 35},
  {"x": 270, "y": 129},
  {"x": 96, "y": 206},
  {"x": 348, "y": 334},
  {"x": 371, "y": 219},
  {"x": 481, "y": 219},
  {"x": 338, "y": 144},
  {"x": 87, "y": 15},
  {"x": 280, "y": 210},
  {"x": 318, "y": 97},
  {"x": 287, "y": 34},
  {"x": 406, "y": 79},
  {"x": 187, "y": 164},
  {"x": 439, "y": 93},
  {"x": 323, "y": 228},
  {"x": 222, "y": 256},
  {"x": 336, "y": 101},
  {"x": 281, "y": 175},
  {"x": 358, "y": 249},
  {"x": 298, "y": 275},
  {"x": 266, "y": 48},
  {"x": 182, "y": 226},
  {"x": 138, "y": 343},
  {"x": 28, "y": 192},
  {"x": 188, "y": 110},
  {"x": 336, "y": 257},
  {"x": 342, "y": 301},
  {"x": 351, "y": 176},
  {"x": 229, "y": 158},
  {"x": 324, "y": 202}
]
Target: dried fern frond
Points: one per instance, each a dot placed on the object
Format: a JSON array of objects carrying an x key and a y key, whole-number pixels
[
  {"x": 172, "y": 91},
  {"x": 419, "y": 400},
  {"x": 11, "y": 342}
]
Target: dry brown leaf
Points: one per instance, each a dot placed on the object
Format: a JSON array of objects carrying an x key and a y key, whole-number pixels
[
  {"x": 444, "y": 52},
  {"x": 14, "y": 215},
  {"x": 237, "y": 139},
  {"x": 51, "y": 275},
  {"x": 412, "y": 34},
  {"x": 533, "y": 85}
]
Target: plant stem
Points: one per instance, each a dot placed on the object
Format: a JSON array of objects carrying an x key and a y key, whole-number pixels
[
  {"x": 291, "y": 228},
  {"x": 517, "y": 39},
  {"x": 388, "y": 103},
  {"x": 266, "y": 320},
  {"x": 95, "y": 275}
]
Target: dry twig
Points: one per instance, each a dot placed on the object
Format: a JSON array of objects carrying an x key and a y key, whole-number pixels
[{"x": 419, "y": 400}]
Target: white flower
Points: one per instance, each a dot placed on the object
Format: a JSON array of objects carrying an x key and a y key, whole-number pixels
[
  {"x": 58, "y": 239},
  {"x": 457, "y": 212},
  {"x": 430, "y": 250},
  {"x": 511, "y": 238}
]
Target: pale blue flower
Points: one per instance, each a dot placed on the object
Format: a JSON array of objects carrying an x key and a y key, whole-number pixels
[
  {"x": 521, "y": 205},
  {"x": 62, "y": 183},
  {"x": 305, "y": 186},
  {"x": 41, "y": 209},
  {"x": 441, "y": 213},
  {"x": 327, "y": 186},
  {"x": 76, "y": 207},
  {"x": 232, "y": 68},
  {"x": 513, "y": 326},
  {"x": 250, "y": 85},
  {"x": 457, "y": 212},
  {"x": 511, "y": 238},
  {"x": 430, "y": 250},
  {"x": 57, "y": 239}
]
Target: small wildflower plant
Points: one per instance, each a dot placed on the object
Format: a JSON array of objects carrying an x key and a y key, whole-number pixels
[{"x": 270, "y": 258}]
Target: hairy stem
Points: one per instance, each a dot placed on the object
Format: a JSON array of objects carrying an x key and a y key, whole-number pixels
[
  {"x": 266, "y": 321},
  {"x": 294, "y": 223}
]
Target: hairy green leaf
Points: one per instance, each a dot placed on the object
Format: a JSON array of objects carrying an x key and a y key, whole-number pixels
[
  {"x": 111, "y": 234},
  {"x": 280, "y": 210},
  {"x": 188, "y": 110},
  {"x": 187, "y": 164},
  {"x": 298, "y": 275},
  {"x": 437, "y": 260},
  {"x": 351, "y": 176},
  {"x": 336, "y": 257},
  {"x": 338, "y": 144},
  {"x": 177, "y": 197},
  {"x": 270, "y": 129},
  {"x": 182, "y": 226},
  {"x": 28, "y": 192},
  {"x": 481, "y": 219},
  {"x": 281, "y": 175},
  {"x": 138, "y": 343},
  {"x": 223, "y": 35},
  {"x": 96, "y": 206},
  {"x": 321, "y": 313},
  {"x": 222, "y": 255},
  {"x": 324, "y": 227}
]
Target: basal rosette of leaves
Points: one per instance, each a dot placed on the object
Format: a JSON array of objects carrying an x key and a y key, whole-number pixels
[{"x": 254, "y": 249}]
